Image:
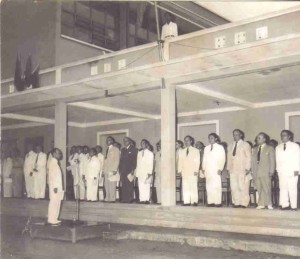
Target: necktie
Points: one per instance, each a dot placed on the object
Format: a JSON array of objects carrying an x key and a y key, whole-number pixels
[
  {"x": 212, "y": 146},
  {"x": 37, "y": 159},
  {"x": 258, "y": 154},
  {"x": 284, "y": 147},
  {"x": 106, "y": 153},
  {"x": 187, "y": 151},
  {"x": 234, "y": 150}
]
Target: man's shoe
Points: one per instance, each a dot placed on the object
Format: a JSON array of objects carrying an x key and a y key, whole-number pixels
[
  {"x": 260, "y": 207},
  {"x": 211, "y": 205},
  {"x": 285, "y": 208},
  {"x": 195, "y": 204},
  {"x": 186, "y": 204},
  {"x": 218, "y": 205},
  {"x": 236, "y": 206},
  {"x": 243, "y": 207},
  {"x": 293, "y": 209},
  {"x": 270, "y": 207},
  {"x": 147, "y": 202}
]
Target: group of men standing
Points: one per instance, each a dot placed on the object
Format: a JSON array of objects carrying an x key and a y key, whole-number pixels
[{"x": 244, "y": 163}]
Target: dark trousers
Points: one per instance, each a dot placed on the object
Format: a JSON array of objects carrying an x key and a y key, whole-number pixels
[
  {"x": 263, "y": 185},
  {"x": 127, "y": 189}
]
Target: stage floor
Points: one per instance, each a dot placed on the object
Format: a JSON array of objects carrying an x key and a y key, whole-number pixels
[{"x": 247, "y": 221}]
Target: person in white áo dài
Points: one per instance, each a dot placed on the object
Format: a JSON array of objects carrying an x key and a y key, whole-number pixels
[{"x": 92, "y": 175}]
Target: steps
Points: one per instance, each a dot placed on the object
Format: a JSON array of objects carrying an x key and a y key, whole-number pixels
[
  {"x": 246, "y": 221},
  {"x": 228, "y": 241}
]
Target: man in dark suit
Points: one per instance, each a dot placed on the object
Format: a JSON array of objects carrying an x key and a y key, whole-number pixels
[
  {"x": 127, "y": 166},
  {"x": 263, "y": 168}
]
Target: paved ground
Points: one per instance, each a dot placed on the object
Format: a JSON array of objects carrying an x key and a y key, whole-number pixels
[{"x": 16, "y": 246}]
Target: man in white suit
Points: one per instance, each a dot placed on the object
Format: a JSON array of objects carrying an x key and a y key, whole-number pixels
[
  {"x": 213, "y": 165},
  {"x": 55, "y": 187},
  {"x": 28, "y": 172},
  {"x": 288, "y": 168},
  {"x": 188, "y": 167},
  {"x": 144, "y": 171},
  {"x": 82, "y": 159},
  {"x": 92, "y": 175},
  {"x": 40, "y": 173},
  {"x": 74, "y": 169},
  {"x": 238, "y": 166}
]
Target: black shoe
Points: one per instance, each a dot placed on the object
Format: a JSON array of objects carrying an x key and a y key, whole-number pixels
[
  {"x": 243, "y": 207},
  {"x": 293, "y": 209},
  {"x": 195, "y": 204},
  {"x": 147, "y": 202},
  {"x": 186, "y": 204},
  {"x": 286, "y": 208},
  {"x": 236, "y": 206},
  {"x": 210, "y": 205},
  {"x": 218, "y": 205}
]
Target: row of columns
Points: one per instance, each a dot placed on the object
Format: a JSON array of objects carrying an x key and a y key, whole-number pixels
[{"x": 168, "y": 139}]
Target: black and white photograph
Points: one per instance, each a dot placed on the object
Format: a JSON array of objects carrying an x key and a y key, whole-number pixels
[{"x": 150, "y": 129}]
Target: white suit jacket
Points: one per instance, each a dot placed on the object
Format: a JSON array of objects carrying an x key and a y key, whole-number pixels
[
  {"x": 241, "y": 162},
  {"x": 55, "y": 175},
  {"x": 93, "y": 168},
  {"x": 29, "y": 162},
  {"x": 83, "y": 159},
  {"x": 101, "y": 160},
  {"x": 74, "y": 168},
  {"x": 189, "y": 164},
  {"x": 288, "y": 161},
  {"x": 40, "y": 163},
  {"x": 214, "y": 160},
  {"x": 169, "y": 30},
  {"x": 144, "y": 164}
]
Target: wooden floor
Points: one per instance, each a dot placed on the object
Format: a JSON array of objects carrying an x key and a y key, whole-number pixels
[{"x": 250, "y": 221}]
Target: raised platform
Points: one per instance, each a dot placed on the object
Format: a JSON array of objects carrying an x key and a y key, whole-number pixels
[
  {"x": 246, "y": 221},
  {"x": 68, "y": 231}
]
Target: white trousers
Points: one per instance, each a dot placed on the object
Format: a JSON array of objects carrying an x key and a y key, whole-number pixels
[
  {"x": 213, "y": 188},
  {"x": 81, "y": 189},
  {"x": 288, "y": 191},
  {"x": 39, "y": 185},
  {"x": 239, "y": 189},
  {"x": 91, "y": 189},
  {"x": 29, "y": 184},
  {"x": 144, "y": 190},
  {"x": 54, "y": 208},
  {"x": 190, "y": 189}
]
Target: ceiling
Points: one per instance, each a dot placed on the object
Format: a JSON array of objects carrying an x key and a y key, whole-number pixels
[
  {"x": 241, "y": 10},
  {"x": 256, "y": 87}
]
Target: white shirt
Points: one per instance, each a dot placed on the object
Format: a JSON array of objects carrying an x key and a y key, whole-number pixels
[
  {"x": 288, "y": 160},
  {"x": 189, "y": 161},
  {"x": 93, "y": 168},
  {"x": 169, "y": 30},
  {"x": 145, "y": 161}
]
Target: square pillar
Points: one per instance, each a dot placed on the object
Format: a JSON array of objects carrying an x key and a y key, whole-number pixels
[
  {"x": 168, "y": 139},
  {"x": 60, "y": 135}
]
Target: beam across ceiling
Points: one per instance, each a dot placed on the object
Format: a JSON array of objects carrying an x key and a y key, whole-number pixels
[
  {"x": 113, "y": 110},
  {"x": 197, "y": 89}
]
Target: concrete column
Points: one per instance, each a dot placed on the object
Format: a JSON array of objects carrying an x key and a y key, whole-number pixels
[
  {"x": 60, "y": 135},
  {"x": 168, "y": 138}
]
